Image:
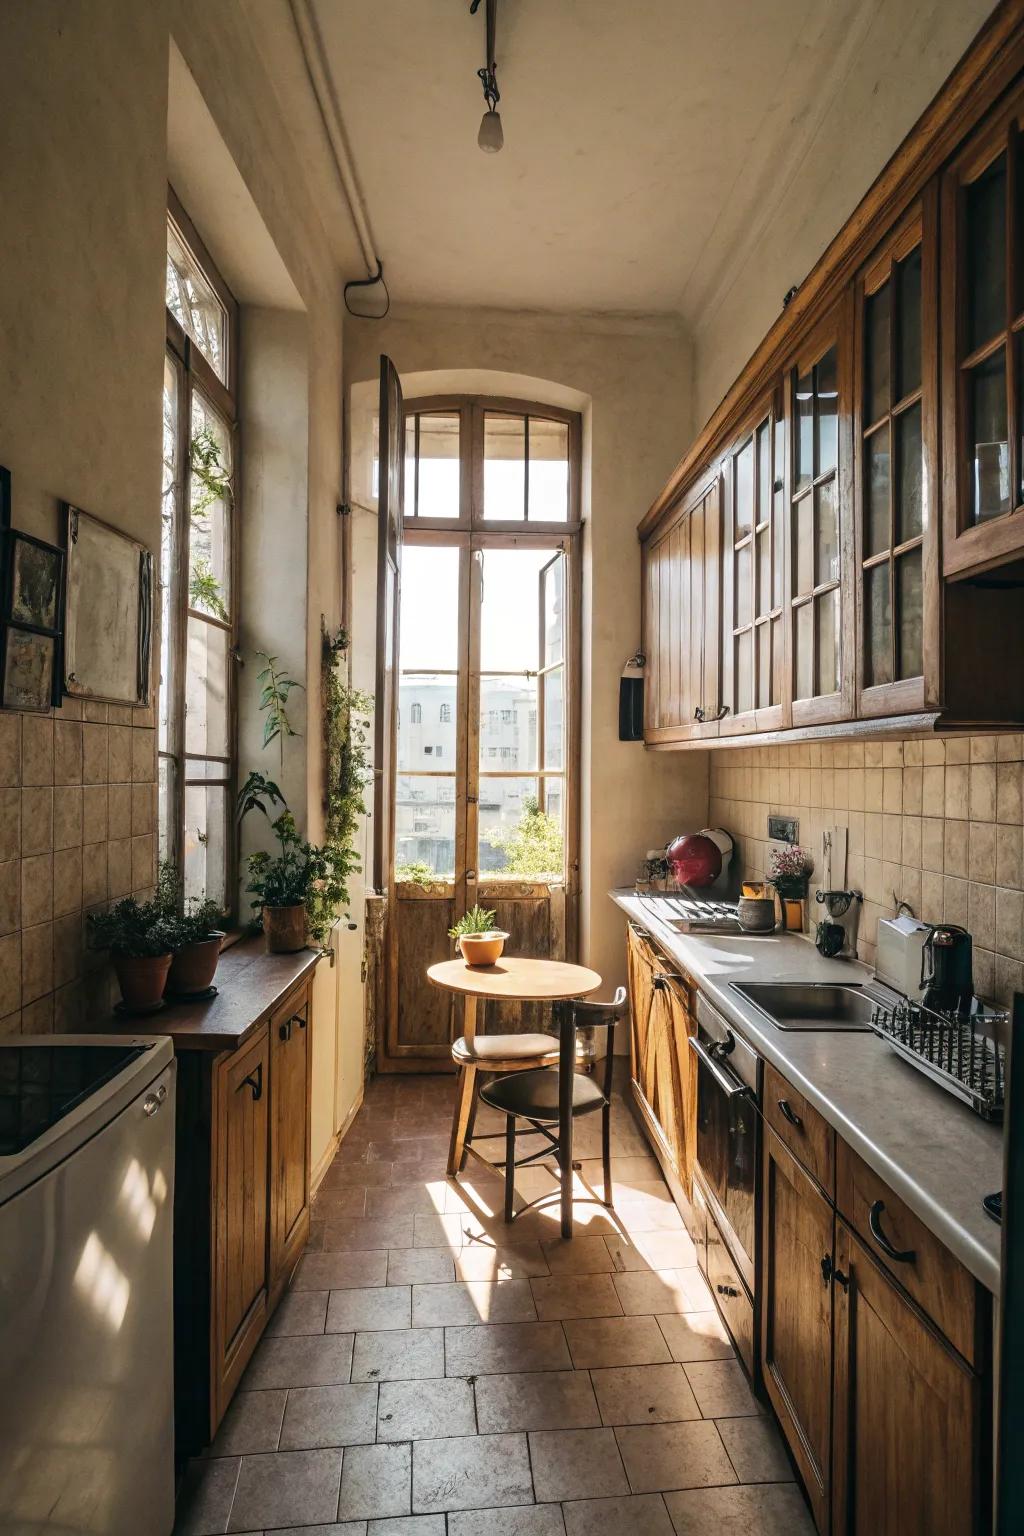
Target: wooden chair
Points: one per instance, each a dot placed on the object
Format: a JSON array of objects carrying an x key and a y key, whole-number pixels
[
  {"x": 474, "y": 1054},
  {"x": 548, "y": 1095}
]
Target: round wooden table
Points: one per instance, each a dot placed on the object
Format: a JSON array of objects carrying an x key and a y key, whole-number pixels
[{"x": 513, "y": 979}]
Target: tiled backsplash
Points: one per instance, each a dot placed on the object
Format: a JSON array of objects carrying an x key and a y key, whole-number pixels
[
  {"x": 77, "y": 830},
  {"x": 934, "y": 823}
]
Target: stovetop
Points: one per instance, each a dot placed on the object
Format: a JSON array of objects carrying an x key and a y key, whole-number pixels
[{"x": 40, "y": 1084}]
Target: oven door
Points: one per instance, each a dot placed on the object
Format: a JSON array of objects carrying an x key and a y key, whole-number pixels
[{"x": 727, "y": 1147}]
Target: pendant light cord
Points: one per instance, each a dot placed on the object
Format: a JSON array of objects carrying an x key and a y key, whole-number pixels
[{"x": 488, "y": 75}]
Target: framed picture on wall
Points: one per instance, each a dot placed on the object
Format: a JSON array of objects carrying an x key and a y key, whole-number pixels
[
  {"x": 32, "y": 615},
  {"x": 109, "y": 612}
]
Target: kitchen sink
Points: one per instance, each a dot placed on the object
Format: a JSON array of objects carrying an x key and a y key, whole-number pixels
[{"x": 811, "y": 1004}]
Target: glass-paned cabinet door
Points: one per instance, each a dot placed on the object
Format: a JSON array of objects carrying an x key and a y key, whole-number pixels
[
  {"x": 983, "y": 351},
  {"x": 895, "y": 482},
  {"x": 753, "y": 573},
  {"x": 819, "y": 590}
]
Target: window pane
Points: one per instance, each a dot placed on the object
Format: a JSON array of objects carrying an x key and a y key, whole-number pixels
[
  {"x": 745, "y": 671},
  {"x": 214, "y": 770},
  {"x": 991, "y": 489},
  {"x": 877, "y": 320},
  {"x": 779, "y": 512},
  {"x": 210, "y": 493},
  {"x": 166, "y": 810},
  {"x": 206, "y": 842},
  {"x": 744, "y": 596},
  {"x": 554, "y": 714},
  {"x": 193, "y": 301},
  {"x": 909, "y": 508},
  {"x": 827, "y": 387},
  {"x": 429, "y": 608},
  {"x": 803, "y": 517},
  {"x": 510, "y": 617},
  {"x": 409, "y": 485},
  {"x": 206, "y": 698},
  {"x": 764, "y": 666},
  {"x": 764, "y": 571},
  {"x": 744, "y": 471},
  {"x": 508, "y": 723},
  {"x": 826, "y": 619},
  {"x": 549, "y": 470},
  {"x": 425, "y": 824},
  {"x": 911, "y": 613},
  {"x": 554, "y": 804},
  {"x": 438, "y": 489},
  {"x": 778, "y": 661},
  {"x": 516, "y": 837},
  {"x": 553, "y": 582},
  {"x": 426, "y": 721},
  {"x": 876, "y": 534},
  {"x": 877, "y": 626},
  {"x": 764, "y": 472},
  {"x": 168, "y": 534},
  {"x": 908, "y": 361},
  {"x": 804, "y": 466},
  {"x": 985, "y": 233},
  {"x": 805, "y": 651},
  {"x": 504, "y": 467},
  {"x": 826, "y": 557}
]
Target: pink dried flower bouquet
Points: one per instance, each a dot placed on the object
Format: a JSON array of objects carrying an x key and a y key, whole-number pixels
[{"x": 788, "y": 869}]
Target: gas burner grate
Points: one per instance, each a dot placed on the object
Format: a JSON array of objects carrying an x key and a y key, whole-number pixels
[
  {"x": 694, "y": 914},
  {"x": 958, "y": 1051}
]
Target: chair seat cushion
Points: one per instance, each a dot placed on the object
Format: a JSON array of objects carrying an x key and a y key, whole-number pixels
[
  {"x": 534, "y": 1095},
  {"x": 504, "y": 1048}
]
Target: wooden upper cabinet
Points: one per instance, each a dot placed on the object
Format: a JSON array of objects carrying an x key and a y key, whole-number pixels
[
  {"x": 983, "y": 335},
  {"x": 681, "y": 577},
  {"x": 755, "y": 692},
  {"x": 820, "y": 536},
  {"x": 895, "y": 482}
]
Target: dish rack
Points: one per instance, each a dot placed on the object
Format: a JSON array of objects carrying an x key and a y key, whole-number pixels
[{"x": 960, "y": 1052}]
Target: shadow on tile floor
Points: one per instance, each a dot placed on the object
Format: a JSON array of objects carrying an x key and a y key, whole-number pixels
[{"x": 434, "y": 1372}]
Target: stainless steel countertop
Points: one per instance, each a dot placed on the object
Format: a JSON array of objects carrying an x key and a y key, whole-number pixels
[{"x": 936, "y": 1154}]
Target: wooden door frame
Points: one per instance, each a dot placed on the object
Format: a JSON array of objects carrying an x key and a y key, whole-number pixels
[{"x": 471, "y": 535}]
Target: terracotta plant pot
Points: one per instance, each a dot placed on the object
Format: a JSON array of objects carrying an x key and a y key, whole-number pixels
[
  {"x": 141, "y": 980},
  {"x": 482, "y": 948},
  {"x": 194, "y": 966},
  {"x": 285, "y": 928}
]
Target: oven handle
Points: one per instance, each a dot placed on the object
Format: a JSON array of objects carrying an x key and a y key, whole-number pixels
[{"x": 731, "y": 1086}]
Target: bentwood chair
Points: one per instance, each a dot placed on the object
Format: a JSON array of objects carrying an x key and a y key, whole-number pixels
[
  {"x": 475, "y": 1054},
  {"x": 556, "y": 1096}
]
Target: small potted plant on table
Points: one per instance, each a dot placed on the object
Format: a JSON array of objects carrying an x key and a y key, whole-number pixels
[
  {"x": 140, "y": 943},
  {"x": 788, "y": 869},
  {"x": 478, "y": 939}
]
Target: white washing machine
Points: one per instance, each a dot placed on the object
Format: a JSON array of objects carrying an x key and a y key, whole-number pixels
[{"x": 86, "y": 1320}]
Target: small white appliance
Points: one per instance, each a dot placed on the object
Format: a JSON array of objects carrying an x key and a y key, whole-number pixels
[
  {"x": 86, "y": 1319},
  {"x": 901, "y": 940}
]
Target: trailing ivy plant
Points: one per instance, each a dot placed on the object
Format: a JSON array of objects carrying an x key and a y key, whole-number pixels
[
  {"x": 302, "y": 873},
  {"x": 346, "y": 724}
]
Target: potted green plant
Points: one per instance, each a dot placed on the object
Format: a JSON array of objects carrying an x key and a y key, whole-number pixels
[
  {"x": 298, "y": 890},
  {"x": 478, "y": 939},
  {"x": 193, "y": 928},
  {"x": 139, "y": 941}
]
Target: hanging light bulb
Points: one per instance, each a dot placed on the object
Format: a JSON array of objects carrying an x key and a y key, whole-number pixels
[{"x": 491, "y": 136}]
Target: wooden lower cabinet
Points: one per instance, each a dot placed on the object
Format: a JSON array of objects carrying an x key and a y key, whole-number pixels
[
  {"x": 796, "y": 1315},
  {"x": 662, "y": 1067},
  {"x": 907, "y": 1416},
  {"x": 290, "y": 1083}
]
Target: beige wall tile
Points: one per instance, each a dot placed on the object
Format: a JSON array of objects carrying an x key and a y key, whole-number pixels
[
  {"x": 982, "y": 749},
  {"x": 955, "y": 858},
  {"x": 37, "y": 889},
  {"x": 983, "y": 791},
  {"x": 119, "y": 867},
  {"x": 37, "y": 1017},
  {"x": 1010, "y": 923},
  {"x": 873, "y": 789},
  {"x": 119, "y": 753},
  {"x": 67, "y": 752},
  {"x": 143, "y": 809},
  {"x": 36, "y": 749},
  {"x": 94, "y": 754},
  {"x": 91, "y": 710},
  {"x": 892, "y": 790},
  {"x": 933, "y": 791},
  {"x": 957, "y": 792},
  {"x": 1009, "y": 979},
  {"x": 36, "y": 820},
  {"x": 954, "y": 901},
  {"x": 913, "y": 790},
  {"x": 10, "y": 896},
  {"x": 10, "y": 823},
  {"x": 67, "y": 881},
  {"x": 981, "y": 863},
  {"x": 931, "y": 843},
  {"x": 933, "y": 752},
  {"x": 1008, "y": 747},
  {"x": 892, "y": 838},
  {"x": 1009, "y": 797},
  {"x": 143, "y": 862},
  {"x": 958, "y": 749},
  {"x": 36, "y": 962},
  {"x": 913, "y": 752},
  {"x": 981, "y": 909},
  {"x": 119, "y": 714},
  {"x": 1010, "y": 856},
  {"x": 68, "y": 949},
  {"x": 119, "y": 810},
  {"x": 67, "y": 816},
  {"x": 10, "y": 748},
  {"x": 10, "y": 973},
  {"x": 143, "y": 755},
  {"x": 94, "y": 813},
  {"x": 912, "y": 841},
  {"x": 931, "y": 897},
  {"x": 69, "y": 1007},
  {"x": 94, "y": 874}
]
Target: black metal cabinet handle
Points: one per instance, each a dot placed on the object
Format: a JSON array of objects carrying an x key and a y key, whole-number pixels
[
  {"x": 300, "y": 1020},
  {"x": 789, "y": 1114},
  {"x": 829, "y": 1273},
  {"x": 254, "y": 1081},
  {"x": 841, "y": 1279},
  {"x": 285, "y": 1030},
  {"x": 901, "y": 1256}
]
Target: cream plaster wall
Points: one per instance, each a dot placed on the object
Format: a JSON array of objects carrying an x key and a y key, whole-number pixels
[
  {"x": 632, "y": 383},
  {"x": 891, "y": 74},
  {"x": 83, "y": 175}
]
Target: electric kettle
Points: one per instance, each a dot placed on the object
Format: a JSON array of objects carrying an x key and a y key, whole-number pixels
[{"x": 947, "y": 977}]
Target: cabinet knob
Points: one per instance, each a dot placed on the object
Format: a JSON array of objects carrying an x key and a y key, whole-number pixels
[{"x": 726, "y": 1290}]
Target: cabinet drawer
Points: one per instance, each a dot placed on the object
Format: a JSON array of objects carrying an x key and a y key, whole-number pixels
[
  {"x": 730, "y": 1295},
  {"x": 798, "y": 1124},
  {"x": 903, "y": 1245}
]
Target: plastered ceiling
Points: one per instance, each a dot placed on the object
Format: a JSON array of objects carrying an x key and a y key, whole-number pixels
[{"x": 639, "y": 137}]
